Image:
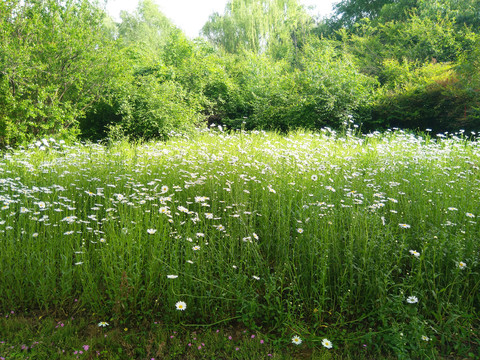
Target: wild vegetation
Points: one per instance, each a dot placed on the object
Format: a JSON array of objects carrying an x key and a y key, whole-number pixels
[
  {"x": 361, "y": 240},
  {"x": 257, "y": 192},
  {"x": 68, "y": 70}
]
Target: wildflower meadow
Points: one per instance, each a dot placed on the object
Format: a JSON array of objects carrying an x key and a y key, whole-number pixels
[{"x": 344, "y": 244}]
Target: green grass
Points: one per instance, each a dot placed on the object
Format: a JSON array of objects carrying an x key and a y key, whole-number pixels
[
  {"x": 310, "y": 234},
  {"x": 73, "y": 338}
]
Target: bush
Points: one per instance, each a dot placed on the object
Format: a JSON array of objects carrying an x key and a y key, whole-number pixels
[
  {"x": 333, "y": 86},
  {"x": 155, "y": 96},
  {"x": 431, "y": 96},
  {"x": 323, "y": 91},
  {"x": 153, "y": 109}
]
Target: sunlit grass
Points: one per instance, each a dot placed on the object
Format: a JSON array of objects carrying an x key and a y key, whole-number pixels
[{"x": 311, "y": 234}]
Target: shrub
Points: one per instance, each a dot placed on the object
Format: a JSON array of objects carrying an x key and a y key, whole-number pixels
[
  {"x": 431, "y": 96},
  {"x": 152, "y": 109}
]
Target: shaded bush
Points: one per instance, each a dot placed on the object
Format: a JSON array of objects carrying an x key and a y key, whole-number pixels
[{"x": 432, "y": 96}]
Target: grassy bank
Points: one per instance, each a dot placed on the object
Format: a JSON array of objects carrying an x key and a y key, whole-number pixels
[{"x": 370, "y": 241}]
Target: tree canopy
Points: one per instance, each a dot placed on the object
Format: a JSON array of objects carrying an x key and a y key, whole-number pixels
[{"x": 277, "y": 27}]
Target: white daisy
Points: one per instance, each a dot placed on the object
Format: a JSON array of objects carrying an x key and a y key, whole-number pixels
[
  {"x": 327, "y": 343},
  {"x": 415, "y": 253},
  {"x": 412, "y": 300},
  {"x": 296, "y": 340},
  {"x": 181, "y": 305}
]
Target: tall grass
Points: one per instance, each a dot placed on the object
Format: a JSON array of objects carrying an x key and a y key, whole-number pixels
[{"x": 314, "y": 234}]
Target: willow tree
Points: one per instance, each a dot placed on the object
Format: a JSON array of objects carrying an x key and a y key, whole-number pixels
[{"x": 276, "y": 27}]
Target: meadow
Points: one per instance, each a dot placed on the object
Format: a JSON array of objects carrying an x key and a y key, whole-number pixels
[{"x": 332, "y": 244}]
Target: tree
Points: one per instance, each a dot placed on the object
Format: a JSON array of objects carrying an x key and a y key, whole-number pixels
[
  {"x": 158, "y": 92},
  {"x": 145, "y": 32},
  {"x": 417, "y": 40},
  {"x": 276, "y": 27},
  {"x": 462, "y": 12},
  {"x": 349, "y": 12},
  {"x": 55, "y": 60}
]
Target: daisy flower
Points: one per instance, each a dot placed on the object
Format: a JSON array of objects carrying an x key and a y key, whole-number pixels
[
  {"x": 415, "y": 253},
  {"x": 196, "y": 248},
  {"x": 404, "y": 226},
  {"x": 172, "y": 276},
  {"x": 181, "y": 305},
  {"x": 461, "y": 265},
  {"x": 327, "y": 343},
  {"x": 151, "y": 231},
  {"x": 425, "y": 338},
  {"x": 412, "y": 299},
  {"x": 102, "y": 324},
  {"x": 296, "y": 340}
]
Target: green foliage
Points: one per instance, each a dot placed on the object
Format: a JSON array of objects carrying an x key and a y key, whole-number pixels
[
  {"x": 99, "y": 118},
  {"x": 67, "y": 70},
  {"x": 463, "y": 13},
  {"x": 157, "y": 93},
  {"x": 468, "y": 66},
  {"x": 416, "y": 40},
  {"x": 350, "y": 12},
  {"x": 220, "y": 81},
  {"x": 431, "y": 96},
  {"x": 276, "y": 27},
  {"x": 416, "y": 61},
  {"x": 144, "y": 32},
  {"x": 55, "y": 60},
  {"x": 324, "y": 92},
  {"x": 153, "y": 109},
  {"x": 255, "y": 91},
  {"x": 334, "y": 86}
]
